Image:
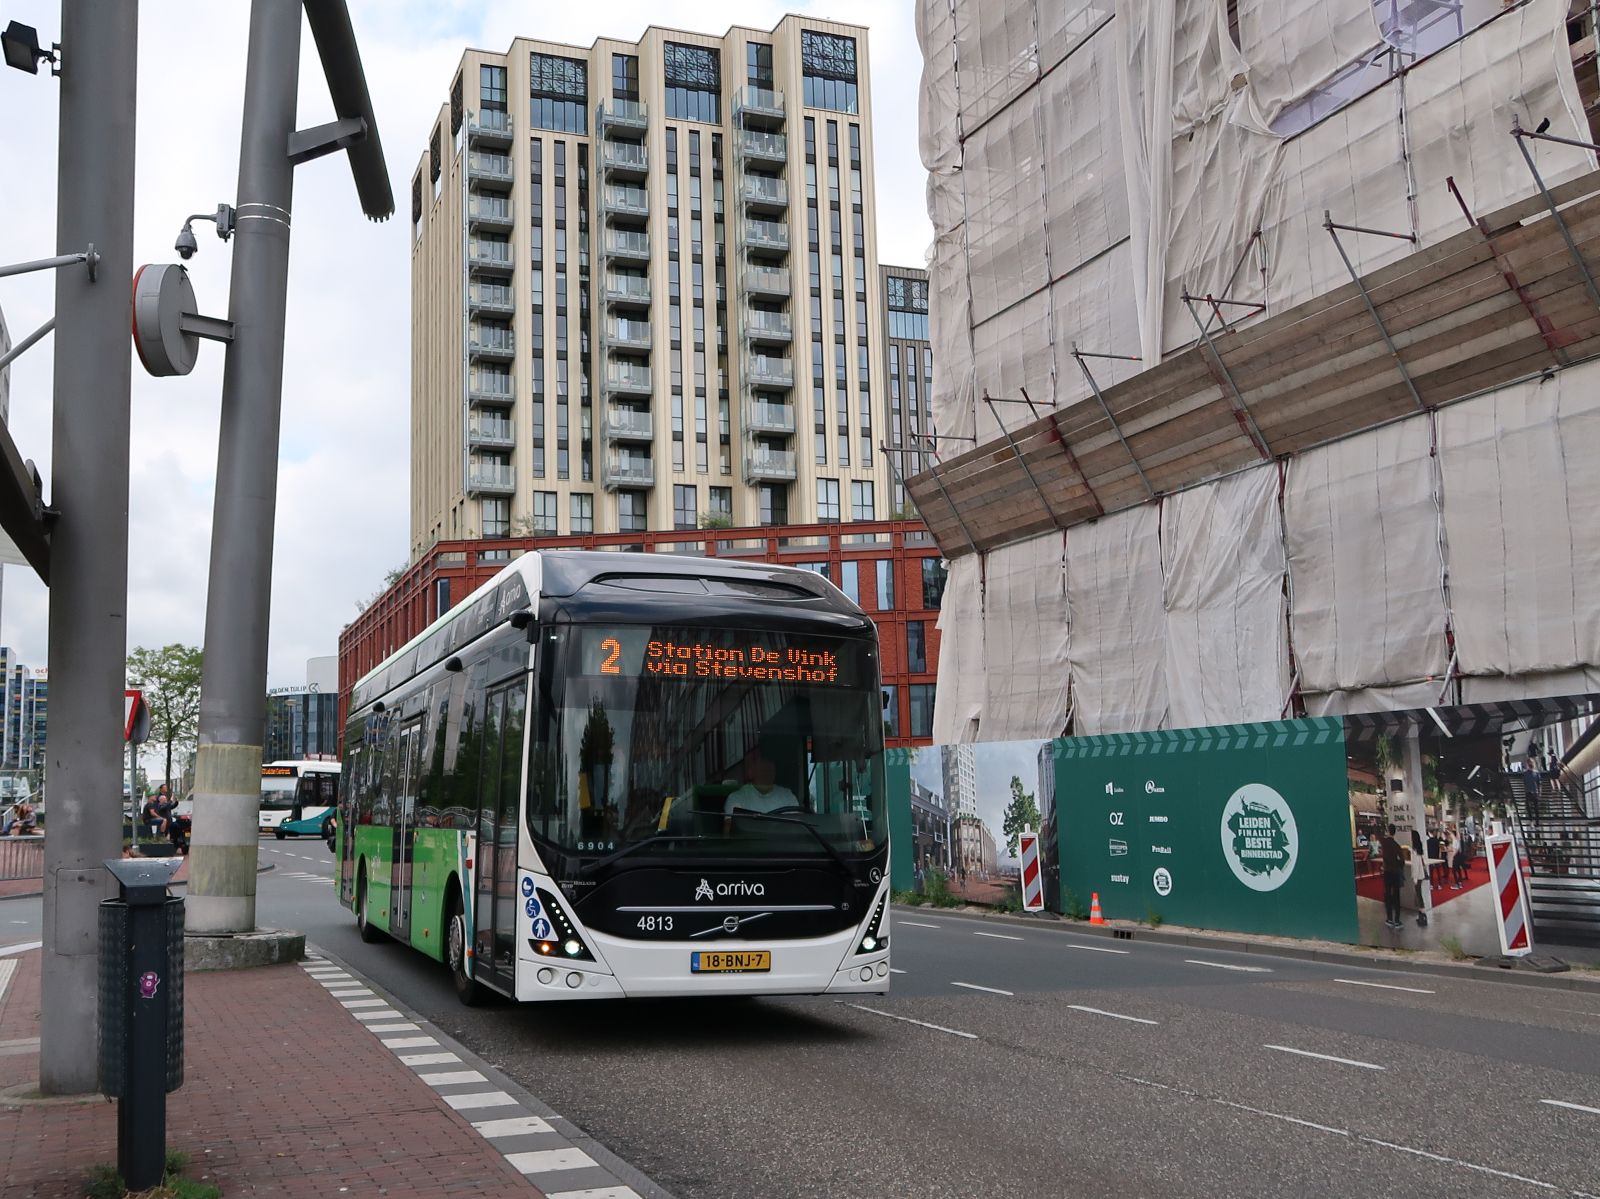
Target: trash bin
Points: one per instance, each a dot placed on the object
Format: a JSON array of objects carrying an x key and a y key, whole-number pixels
[{"x": 141, "y": 1011}]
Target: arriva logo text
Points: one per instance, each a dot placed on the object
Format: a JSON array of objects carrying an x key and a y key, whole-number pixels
[{"x": 728, "y": 890}]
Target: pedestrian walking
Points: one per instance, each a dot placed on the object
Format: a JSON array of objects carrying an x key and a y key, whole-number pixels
[{"x": 1394, "y": 877}]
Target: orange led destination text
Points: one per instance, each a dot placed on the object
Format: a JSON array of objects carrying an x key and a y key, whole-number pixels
[{"x": 789, "y": 664}]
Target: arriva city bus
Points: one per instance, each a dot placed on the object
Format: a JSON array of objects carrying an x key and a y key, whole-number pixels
[
  {"x": 611, "y": 774},
  {"x": 298, "y": 796}
]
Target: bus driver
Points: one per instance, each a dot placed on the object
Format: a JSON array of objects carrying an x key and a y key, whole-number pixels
[{"x": 761, "y": 792}]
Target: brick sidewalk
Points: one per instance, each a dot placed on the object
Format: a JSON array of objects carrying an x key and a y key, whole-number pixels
[{"x": 283, "y": 1096}]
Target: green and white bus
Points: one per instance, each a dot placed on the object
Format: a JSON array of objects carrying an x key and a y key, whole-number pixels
[
  {"x": 294, "y": 791},
  {"x": 611, "y": 774}
]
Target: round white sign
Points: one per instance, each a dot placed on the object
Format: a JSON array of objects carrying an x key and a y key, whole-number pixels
[
  {"x": 1163, "y": 882},
  {"x": 1259, "y": 837}
]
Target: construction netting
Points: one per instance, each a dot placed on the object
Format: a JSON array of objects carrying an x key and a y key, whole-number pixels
[{"x": 1091, "y": 165}]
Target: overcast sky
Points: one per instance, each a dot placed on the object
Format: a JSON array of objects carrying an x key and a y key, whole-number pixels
[{"x": 343, "y": 503}]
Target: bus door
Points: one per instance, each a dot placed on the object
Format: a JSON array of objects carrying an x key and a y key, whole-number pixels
[
  {"x": 499, "y": 783},
  {"x": 404, "y": 831}
]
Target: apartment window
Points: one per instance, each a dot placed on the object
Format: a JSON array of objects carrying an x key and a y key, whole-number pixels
[
  {"x": 774, "y": 504},
  {"x": 582, "y": 513},
  {"x": 544, "y": 513},
  {"x": 693, "y": 78},
  {"x": 885, "y": 571},
  {"x": 850, "y": 580},
  {"x": 560, "y": 88},
  {"x": 631, "y": 516},
  {"x": 497, "y": 518},
  {"x": 921, "y": 695},
  {"x": 685, "y": 505},
  {"x": 625, "y": 77},
  {"x": 891, "y": 711},
  {"x": 441, "y": 597},
  {"x": 827, "y": 499},
  {"x": 934, "y": 574},
  {"x": 908, "y": 308},
  {"x": 721, "y": 502},
  {"x": 861, "y": 507},
  {"x": 758, "y": 58},
  {"x": 492, "y": 88},
  {"x": 917, "y": 646},
  {"x": 828, "y": 65}
]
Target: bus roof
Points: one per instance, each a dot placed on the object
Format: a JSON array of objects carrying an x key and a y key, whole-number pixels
[{"x": 562, "y": 573}]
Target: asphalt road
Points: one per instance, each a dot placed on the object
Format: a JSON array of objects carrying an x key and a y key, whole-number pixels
[{"x": 1038, "y": 1062}]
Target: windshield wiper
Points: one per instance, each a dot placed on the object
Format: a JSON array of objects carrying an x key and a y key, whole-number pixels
[
  {"x": 743, "y": 814},
  {"x": 657, "y": 839}
]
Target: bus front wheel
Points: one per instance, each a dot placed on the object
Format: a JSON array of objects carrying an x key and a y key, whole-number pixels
[
  {"x": 279, "y": 833},
  {"x": 468, "y": 990},
  {"x": 363, "y": 925}
]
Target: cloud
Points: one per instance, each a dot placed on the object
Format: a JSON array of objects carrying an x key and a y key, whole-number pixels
[{"x": 343, "y": 505}]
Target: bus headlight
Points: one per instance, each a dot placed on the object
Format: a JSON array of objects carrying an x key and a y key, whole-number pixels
[
  {"x": 874, "y": 939},
  {"x": 564, "y": 940}
]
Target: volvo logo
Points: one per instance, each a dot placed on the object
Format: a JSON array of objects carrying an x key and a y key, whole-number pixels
[
  {"x": 731, "y": 924},
  {"x": 729, "y": 890}
]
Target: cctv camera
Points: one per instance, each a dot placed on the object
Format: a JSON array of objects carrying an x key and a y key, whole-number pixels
[{"x": 186, "y": 244}]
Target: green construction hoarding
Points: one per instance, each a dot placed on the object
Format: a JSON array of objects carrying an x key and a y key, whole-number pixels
[{"x": 1238, "y": 827}]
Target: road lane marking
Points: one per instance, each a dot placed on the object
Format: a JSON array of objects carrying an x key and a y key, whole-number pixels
[
  {"x": 1257, "y": 1111},
  {"x": 976, "y": 987},
  {"x": 893, "y": 970},
  {"x": 21, "y": 948},
  {"x": 1343, "y": 1061},
  {"x": 1455, "y": 1161},
  {"x": 1356, "y": 982},
  {"x": 1095, "y": 1011},
  {"x": 955, "y": 1032},
  {"x": 1096, "y": 948},
  {"x": 998, "y": 936},
  {"x": 1577, "y": 1107},
  {"x": 1229, "y": 966},
  {"x": 916, "y": 923}
]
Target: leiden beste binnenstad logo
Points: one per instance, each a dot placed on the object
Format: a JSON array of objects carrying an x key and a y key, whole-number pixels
[{"x": 1259, "y": 837}]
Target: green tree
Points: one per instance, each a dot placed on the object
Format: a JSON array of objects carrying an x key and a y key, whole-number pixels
[
  {"x": 169, "y": 677},
  {"x": 1022, "y": 812}
]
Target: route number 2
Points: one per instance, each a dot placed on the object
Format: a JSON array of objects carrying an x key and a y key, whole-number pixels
[{"x": 613, "y": 651}]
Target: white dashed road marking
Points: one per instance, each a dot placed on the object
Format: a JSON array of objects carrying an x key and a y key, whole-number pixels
[
  {"x": 1096, "y": 1011},
  {"x": 998, "y": 936},
  {"x": 1229, "y": 966},
  {"x": 1577, "y": 1107},
  {"x": 954, "y": 1032},
  {"x": 976, "y": 987},
  {"x": 1356, "y": 982},
  {"x": 1096, "y": 948},
  {"x": 1324, "y": 1057}
]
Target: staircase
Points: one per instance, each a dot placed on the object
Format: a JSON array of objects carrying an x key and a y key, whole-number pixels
[{"x": 1562, "y": 847}]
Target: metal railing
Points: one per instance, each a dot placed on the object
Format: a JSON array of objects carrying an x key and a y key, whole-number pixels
[
  {"x": 628, "y": 201},
  {"x": 770, "y": 464},
  {"x": 764, "y": 189},
  {"x": 769, "y": 324},
  {"x": 623, "y": 378},
  {"x": 760, "y": 371},
  {"x": 763, "y": 417},
  {"x": 490, "y": 432},
  {"x": 624, "y": 155},
  {"x": 771, "y": 146},
  {"x": 629, "y": 422},
  {"x": 758, "y": 101},
  {"x": 767, "y": 280},
  {"x": 21, "y": 858},
  {"x": 628, "y": 287},
  {"x": 489, "y": 122},
  {"x": 620, "y": 242},
  {"x": 492, "y": 299},
  {"x": 491, "y": 478},
  {"x": 630, "y": 113},
  {"x": 630, "y": 472},
  {"x": 495, "y": 167},
  {"x": 766, "y": 235}
]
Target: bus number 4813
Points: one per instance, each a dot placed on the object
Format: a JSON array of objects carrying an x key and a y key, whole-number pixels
[{"x": 655, "y": 924}]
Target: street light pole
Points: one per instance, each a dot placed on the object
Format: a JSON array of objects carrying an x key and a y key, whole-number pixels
[
  {"x": 89, "y": 542},
  {"x": 227, "y": 780}
]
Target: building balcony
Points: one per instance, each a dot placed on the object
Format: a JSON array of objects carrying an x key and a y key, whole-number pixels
[
  {"x": 773, "y": 373},
  {"x": 490, "y": 434},
  {"x": 485, "y": 394},
  {"x": 769, "y": 328},
  {"x": 764, "y": 465},
  {"x": 487, "y": 300},
  {"x": 630, "y": 202},
  {"x": 627, "y": 290},
  {"x": 489, "y": 212},
  {"x": 619, "y": 471},
  {"x": 492, "y": 347},
  {"x": 766, "y": 236},
  {"x": 764, "y": 193},
  {"x": 763, "y": 417},
  {"x": 492, "y": 170},
  {"x": 625, "y": 245},
  {"x": 766, "y": 282},
  {"x": 489, "y": 128},
  {"x": 491, "y": 480},
  {"x": 628, "y": 424},
  {"x": 624, "y": 159},
  {"x": 624, "y": 115},
  {"x": 624, "y": 379},
  {"x": 628, "y": 335},
  {"x": 495, "y": 259},
  {"x": 758, "y": 106},
  {"x": 756, "y": 146}
]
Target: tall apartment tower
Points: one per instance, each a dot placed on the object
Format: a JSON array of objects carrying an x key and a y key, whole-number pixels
[
  {"x": 644, "y": 287},
  {"x": 908, "y": 370}
]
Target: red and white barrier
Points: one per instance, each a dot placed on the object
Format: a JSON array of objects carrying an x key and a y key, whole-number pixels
[
  {"x": 1511, "y": 899},
  {"x": 1032, "y": 875}
]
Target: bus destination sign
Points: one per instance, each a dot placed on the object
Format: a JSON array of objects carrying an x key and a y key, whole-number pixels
[
  {"x": 277, "y": 772},
  {"x": 717, "y": 657}
]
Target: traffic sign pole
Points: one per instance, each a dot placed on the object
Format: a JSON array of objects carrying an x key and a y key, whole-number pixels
[
  {"x": 1510, "y": 897},
  {"x": 1032, "y": 875}
]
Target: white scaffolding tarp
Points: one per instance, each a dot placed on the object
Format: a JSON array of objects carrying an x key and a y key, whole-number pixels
[
  {"x": 958, "y": 707},
  {"x": 1227, "y": 652},
  {"x": 1361, "y": 525},
  {"x": 1025, "y": 637},
  {"x": 1522, "y": 512},
  {"x": 1118, "y": 627}
]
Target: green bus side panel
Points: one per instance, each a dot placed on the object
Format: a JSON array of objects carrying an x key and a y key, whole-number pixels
[
  {"x": 897, "y": 773},
  {"x": 435, "y": 857},
  {"x": 1239, "y": 827},
  {"x": 375, "y": 847}
]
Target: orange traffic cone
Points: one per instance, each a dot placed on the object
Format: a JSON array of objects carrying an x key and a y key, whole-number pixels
[{"x": 1094, "y": 910}]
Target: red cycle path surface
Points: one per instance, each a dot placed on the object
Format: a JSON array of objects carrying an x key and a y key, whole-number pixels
[{"x": 284, "y": 1094}]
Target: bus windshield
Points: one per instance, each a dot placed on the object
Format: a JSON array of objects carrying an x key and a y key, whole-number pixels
[
  {"x": 277, "y": 790},
  {"x": 707, "y": 741}
]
